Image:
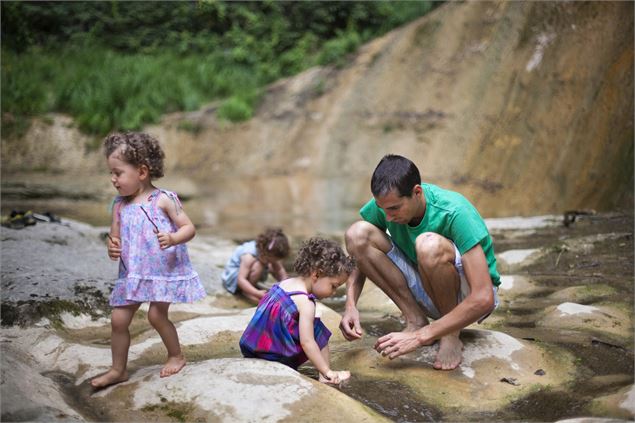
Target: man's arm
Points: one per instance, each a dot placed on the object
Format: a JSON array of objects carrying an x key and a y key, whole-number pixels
[
  {"x": 350, "y": 324},
  {"x": 479, "y": 302}
]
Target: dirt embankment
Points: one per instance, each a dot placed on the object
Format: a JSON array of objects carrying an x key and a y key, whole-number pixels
[{"x": 525, "y": 107}]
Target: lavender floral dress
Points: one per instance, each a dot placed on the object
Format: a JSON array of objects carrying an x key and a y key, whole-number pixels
[{"x": 147, "y": 273}]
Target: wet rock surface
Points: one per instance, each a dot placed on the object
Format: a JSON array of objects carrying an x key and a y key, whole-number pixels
[
  {"x": 559, "y": 347},
  {"x": 51, "y": 268}
]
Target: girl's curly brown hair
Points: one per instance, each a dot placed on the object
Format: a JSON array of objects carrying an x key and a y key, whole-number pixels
[
  {"x": 323, "y": 256},
  {"x": 273, "y": 242},
  {"x": 137, "y": 148}
]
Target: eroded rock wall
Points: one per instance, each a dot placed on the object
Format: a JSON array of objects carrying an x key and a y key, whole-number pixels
[{"x": 524, "y": 107}]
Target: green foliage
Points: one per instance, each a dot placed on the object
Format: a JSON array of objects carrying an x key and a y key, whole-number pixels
[
  {"x": 335, "y": 50},
  {"x": 189, "y": 126},
  {"x": 120, "y": 65},
  {"x": 235, "y": 109}
]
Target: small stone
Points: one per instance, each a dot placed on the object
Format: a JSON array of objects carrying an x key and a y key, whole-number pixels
[{"x": 539, "y": 372}]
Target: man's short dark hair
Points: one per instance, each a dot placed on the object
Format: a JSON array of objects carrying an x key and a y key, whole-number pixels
[{"x": 394, "y": 172}]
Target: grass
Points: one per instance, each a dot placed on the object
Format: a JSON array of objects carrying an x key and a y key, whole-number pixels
[
  {"x": 123, "y": 92},
  {"x": 105, "y": 89}
]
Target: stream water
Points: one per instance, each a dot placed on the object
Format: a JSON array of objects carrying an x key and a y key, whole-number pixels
[
  {"x": 596, "y": 360},
  {"x": 239, "y": 223}
]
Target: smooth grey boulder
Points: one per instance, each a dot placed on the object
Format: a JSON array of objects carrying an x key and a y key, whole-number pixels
[{"x": 496, "y": 369}]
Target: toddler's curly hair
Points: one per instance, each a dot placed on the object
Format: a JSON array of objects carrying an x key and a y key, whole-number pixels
[
  {"x": 273, "y": 242},
  {"x": 324, "y": 256},
  {"x": 137, "y": 148}
]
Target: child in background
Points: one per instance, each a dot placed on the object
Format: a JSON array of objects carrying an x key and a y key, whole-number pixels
[
  {"x": 252, "y": 261},
  {"x": 148, "y": 234},
  {"x": 284, "y": 327}
]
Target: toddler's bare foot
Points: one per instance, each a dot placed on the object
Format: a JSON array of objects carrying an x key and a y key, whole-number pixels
[
  {"x": 336, "y": 377},
  {"x": 111, "y": 377},
  {"x": 173, "y": 366}
]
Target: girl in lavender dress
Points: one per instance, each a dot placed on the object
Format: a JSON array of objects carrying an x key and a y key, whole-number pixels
[{"x": 148, "y": 235}]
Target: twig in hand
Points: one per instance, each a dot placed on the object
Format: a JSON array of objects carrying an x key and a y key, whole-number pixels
[
  {"x": 122, "y": 262},
  {"x": 149, "y": 218}
]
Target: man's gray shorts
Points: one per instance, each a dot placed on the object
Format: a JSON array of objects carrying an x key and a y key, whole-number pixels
[{"x": 413, "y": 279}]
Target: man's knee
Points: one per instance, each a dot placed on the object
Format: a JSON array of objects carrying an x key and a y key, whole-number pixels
[
  {"x": 357, "y": 236},
  {"x": 433, "y": 250}
]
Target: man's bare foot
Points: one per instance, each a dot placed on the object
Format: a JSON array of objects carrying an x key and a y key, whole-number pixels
[
  {"x": 412, "y": 327},
  {"x": 450, "y": 353},
  {"x": 111, "y": 377},
  {"x": 415, "y": 324},
  {"x": 173, "y": 366},
  {"x": 336, "y": 377}
]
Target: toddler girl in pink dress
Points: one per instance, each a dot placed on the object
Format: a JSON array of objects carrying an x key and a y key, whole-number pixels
[{"x": 148, "y": 234}]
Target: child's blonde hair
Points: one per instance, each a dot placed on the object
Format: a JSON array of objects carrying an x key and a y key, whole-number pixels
[
  {"x": 137, "y": 148},
  {"x": 323, "y": 256},
  {"x": 273, "y": 242}
]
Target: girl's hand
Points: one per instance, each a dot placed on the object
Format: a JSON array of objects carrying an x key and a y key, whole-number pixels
[
  {"x": 185, "y": 228},
  {"x": 114, "y": 247},
  {"x": 165, "y": 240},
  {"x": 336, "y": 377}
]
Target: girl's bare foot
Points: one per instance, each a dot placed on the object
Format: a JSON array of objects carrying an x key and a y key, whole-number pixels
[
  {"x": 336, "y": 377},
  {"x": 111, "y": 377},
  {"x": 450, "y": 353},
  {"x": 173, "y": 366}
]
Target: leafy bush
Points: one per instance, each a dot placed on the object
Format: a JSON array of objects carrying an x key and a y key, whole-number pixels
[
  {"x": 235, "y": 109},
  {"x": 120, "y": 65},
  {"x": 335, "y": 50}
]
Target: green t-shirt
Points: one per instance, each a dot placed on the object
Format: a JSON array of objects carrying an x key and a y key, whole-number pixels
[{"x": 448, "y": 213}]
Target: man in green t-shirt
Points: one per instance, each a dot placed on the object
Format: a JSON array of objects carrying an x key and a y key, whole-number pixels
[{"x": 429, "y": 250}]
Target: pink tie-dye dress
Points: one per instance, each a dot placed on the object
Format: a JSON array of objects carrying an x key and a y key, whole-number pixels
[{"x": 146, "y": 272}]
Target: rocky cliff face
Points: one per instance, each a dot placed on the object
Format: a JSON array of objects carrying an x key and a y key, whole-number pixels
[{"x": 524, "y": 107}]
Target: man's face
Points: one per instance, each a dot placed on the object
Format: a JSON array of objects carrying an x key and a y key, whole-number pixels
[{"x": 399, "y": 209}]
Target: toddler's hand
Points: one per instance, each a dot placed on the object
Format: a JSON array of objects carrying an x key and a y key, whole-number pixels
[
  {"x": 114, "y": 248},
  {"x": 336, "y": 377},
  {"x": 165, "y": 240}
]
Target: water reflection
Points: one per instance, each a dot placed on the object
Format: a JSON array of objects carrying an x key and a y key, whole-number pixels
[
  {"x": 230, "y": 208},
  {"x": 241, "y": 223},
  {"x": 208, "y": 220}
]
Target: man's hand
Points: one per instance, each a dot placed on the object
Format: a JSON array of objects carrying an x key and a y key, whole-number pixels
[
  {"x": 350, "y": 326},
  {"x": 114, "y": 247},
  {"x": 398, "y": 343}
]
